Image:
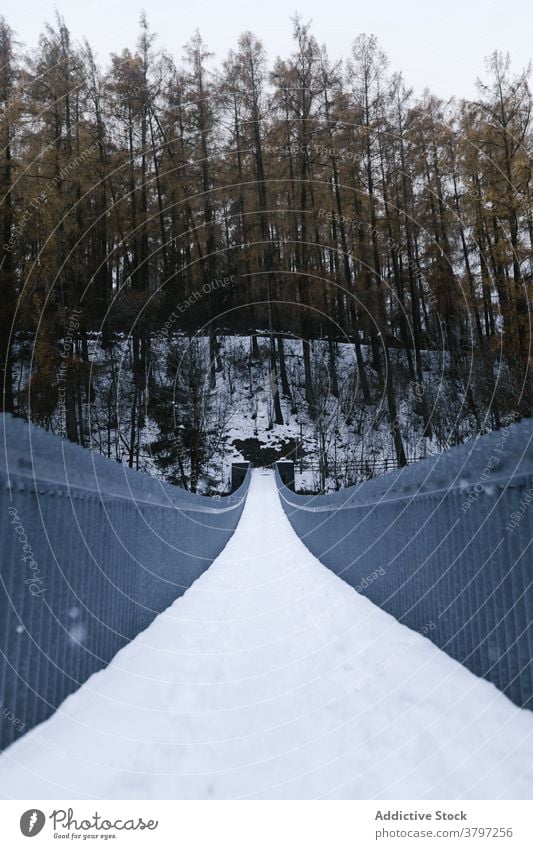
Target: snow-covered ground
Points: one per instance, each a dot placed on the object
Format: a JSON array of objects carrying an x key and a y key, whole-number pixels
[
  {"x": 272, "y": 678},
  {"x": 354, "y": 436}
]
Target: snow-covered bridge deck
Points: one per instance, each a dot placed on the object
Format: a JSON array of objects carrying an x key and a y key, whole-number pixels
[{"x": 272, "y": 678}]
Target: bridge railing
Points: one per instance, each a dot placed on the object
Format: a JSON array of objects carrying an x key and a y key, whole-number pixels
[
  {"x": 91, "y": 552},
  {"x": 445, "y": 546}
]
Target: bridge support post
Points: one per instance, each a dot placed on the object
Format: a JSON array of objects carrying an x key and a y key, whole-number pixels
[
  {"x": 238, "y": 473},
  {"x": 286, "y": 473}
]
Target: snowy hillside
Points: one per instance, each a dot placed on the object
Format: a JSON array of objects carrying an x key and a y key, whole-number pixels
[{"x": 336, "y": 437}]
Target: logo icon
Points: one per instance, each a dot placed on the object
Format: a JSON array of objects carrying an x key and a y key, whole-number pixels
[{"x": 32, "y": 822}]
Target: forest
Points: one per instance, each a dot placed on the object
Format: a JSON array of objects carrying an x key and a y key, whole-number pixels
[{"x": 205, "y": 260}]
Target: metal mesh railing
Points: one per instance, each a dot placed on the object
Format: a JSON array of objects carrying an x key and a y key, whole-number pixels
[
  {"x": 91, "y": 553},
  {"x": 446, "y": 547}
]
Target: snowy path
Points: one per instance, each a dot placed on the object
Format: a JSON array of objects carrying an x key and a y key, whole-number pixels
[{"x": 271, "y": 678}]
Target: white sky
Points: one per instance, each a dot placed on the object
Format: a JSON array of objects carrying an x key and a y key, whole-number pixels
[{"x": 436, "y": 43}]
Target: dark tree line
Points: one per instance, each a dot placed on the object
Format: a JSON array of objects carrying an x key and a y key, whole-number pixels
[{"x": 337, "y": 204}]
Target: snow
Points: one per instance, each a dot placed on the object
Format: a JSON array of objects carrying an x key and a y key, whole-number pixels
[
  {"x": 272, "y": 678},
  {"x": 356, "y": 435}
]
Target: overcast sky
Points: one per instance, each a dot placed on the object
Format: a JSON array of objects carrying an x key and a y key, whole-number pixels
[{"x": 436, "y": 43}]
